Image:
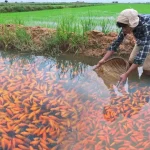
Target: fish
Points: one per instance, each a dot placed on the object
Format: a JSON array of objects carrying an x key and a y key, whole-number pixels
[{"x": 38, "y": 112}]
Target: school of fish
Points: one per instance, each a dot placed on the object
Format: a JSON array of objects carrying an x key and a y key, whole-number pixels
[{"x": 39, "y": 112}]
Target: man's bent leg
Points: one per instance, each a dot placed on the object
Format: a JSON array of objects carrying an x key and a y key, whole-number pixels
[
  {"x": 133, "y": 54},
  {"x": 146, "y": 65}
]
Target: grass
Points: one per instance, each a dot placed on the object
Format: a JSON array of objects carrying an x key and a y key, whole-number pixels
[
  {"x": 17, "y": 39},
  {"x": 71, "y": 25},
  {"x": 51, "y": 17},
  {"x": 103, "y": 10},
  {"x": 69, "y": 36}
]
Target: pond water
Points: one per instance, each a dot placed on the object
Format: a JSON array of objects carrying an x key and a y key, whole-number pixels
[{"x": 61, "y": 104}]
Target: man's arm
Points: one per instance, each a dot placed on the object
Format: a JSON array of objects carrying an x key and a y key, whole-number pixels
[
  {"x": 102, "y": 61},
  {"x": 132, "y": 68},
  {"x": 117, "y": 42},
  {"x": 107, "y": 55},
  {"x": 139, "y": 60},
  {"x": 124, "y": 76},
  {"x": 111, "y": 49},
  {"x": 144, "y": 45}
]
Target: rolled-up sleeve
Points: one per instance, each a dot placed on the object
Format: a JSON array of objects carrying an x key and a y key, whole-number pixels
[
  {"x": 114, "y": 46},
  {"x": 144, "y": 44}
]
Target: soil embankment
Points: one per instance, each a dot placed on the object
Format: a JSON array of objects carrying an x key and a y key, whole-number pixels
[
  {"x": 96, "y": 46},
  {"x": 98, "y": 43}
]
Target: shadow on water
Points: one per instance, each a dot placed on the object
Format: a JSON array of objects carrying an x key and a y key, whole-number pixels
[{"x": 60, "y": 103}]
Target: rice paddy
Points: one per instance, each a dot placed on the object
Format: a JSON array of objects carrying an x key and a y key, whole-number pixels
[
  {"x": 55, "y": 103},
  {"x": 36, "y": 18}
]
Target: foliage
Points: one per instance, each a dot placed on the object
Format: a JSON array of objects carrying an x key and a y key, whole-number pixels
[
  {"x": 17, "y": 39},
  {"x": 69, "y": 37},
  {"x": 23, "y": 7}
]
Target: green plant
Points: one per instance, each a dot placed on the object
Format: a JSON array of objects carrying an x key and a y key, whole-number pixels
[
  {"x": 6, "y": 37},
  {"x": 23, "y": 36},
  {"x": 67, "y": 38},
  {"x": 16, "y": 39},
  {"x": 23, "y": 41},
  {"x": 106, "y": 25},
  {"x": 87, "y": 24}
]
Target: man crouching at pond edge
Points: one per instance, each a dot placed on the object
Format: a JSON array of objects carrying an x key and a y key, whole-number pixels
[{"x": 131, "y": 22}]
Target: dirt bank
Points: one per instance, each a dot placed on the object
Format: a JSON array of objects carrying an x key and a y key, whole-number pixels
[{"x": 97, "y": 43}]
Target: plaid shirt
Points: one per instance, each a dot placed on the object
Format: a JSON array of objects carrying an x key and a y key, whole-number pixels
[{"x": 142, "y": 35}]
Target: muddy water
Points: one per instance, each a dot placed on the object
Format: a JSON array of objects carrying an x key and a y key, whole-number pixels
[{"x": 61, "y": 104}]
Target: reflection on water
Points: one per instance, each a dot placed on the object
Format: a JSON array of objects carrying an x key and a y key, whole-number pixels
[{"x": 61, "y": 104}]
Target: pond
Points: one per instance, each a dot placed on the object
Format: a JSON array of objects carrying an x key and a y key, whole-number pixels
[{"x": 60, "y": 103}]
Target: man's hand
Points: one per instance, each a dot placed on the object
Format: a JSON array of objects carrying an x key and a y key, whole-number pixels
[
  {"x": 123, "y": 78},
  {"x": 102, "y": 61}
]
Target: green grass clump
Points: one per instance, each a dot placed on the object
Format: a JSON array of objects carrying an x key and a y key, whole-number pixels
[
  {"x": 16, "y": 39},
  {"x": 69, "y": 37},
  {"x": 6, "y": 37},
  {"x": 22, "y": 41}
]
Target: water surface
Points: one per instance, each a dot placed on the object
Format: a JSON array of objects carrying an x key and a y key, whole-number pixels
[{"x": 61, "y": 104}]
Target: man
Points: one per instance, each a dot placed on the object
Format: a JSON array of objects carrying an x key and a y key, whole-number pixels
[{"x": 131, "y": 22}]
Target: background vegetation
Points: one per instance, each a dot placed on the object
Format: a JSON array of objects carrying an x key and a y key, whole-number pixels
[
  {"x": 71, "y": 25},
  {"x": 23, "y": 7},
  {"x": 50, "y": 18}
]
